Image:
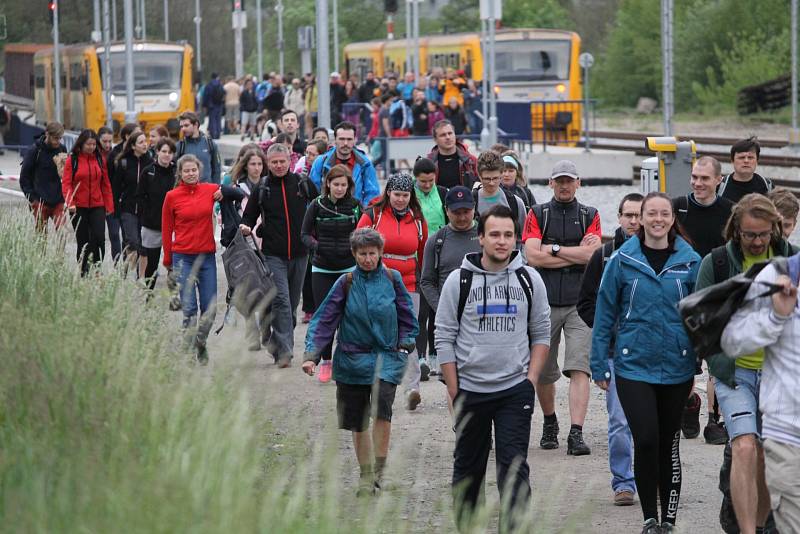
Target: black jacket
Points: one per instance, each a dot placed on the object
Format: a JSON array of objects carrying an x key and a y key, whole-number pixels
[
  {"x": 38, "y": 177},
  {"x": 248, "y": 102},
  {"x": 154, "y": 184},
  {"x": 590, "y": 283},
  {"x": 326, "y": 231},
  {"x": 367, "y": 91},
  {"x": 125, "y": 181},
  {"x": 281, "y": 204}
]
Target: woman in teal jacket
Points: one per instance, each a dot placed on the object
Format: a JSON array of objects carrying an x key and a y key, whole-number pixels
[
  {"x": 654, "y": 362},
  {"x": 374, "y": 314}
]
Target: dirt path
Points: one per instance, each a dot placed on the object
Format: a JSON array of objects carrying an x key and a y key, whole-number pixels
[{"x": 568, "y": 492}]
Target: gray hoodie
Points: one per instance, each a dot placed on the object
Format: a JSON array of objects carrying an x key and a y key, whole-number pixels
[
  {"x": 492, "y": 346},
  {"x": 455, "y": 245}
]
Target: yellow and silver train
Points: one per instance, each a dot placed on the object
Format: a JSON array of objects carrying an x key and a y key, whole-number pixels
[
  {"x": 162, "y": 80},
  {"x": 530, "y": 65}
]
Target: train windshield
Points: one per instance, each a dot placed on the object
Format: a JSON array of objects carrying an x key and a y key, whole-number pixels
[
  {"x": 522, "y": 61},
  {"x": 152, "y": 71}
]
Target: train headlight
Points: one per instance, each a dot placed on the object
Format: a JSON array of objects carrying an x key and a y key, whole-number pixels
[
  {"x": 561, "y": 88},
  {"x": 173, "y": 97},
  {"x": 113, "y": 97}
]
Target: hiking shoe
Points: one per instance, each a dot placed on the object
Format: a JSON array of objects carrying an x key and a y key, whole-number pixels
[
  {"x": 623, "y": 498},
  {"x": 549, "y": 436},
  {"x": 254, "y": 347},
  {"x": 666, "y": 528},
  {"x": 283, "y": 363},
  {"x": 413, "y": 398},
  {"x": 325, "y": 371},
  {"x": 651, "y": 527},
  {"x": 715, "y": 433},
  {"x": 433, "y": 363},
  {"x": 307, "y": 317},
  {"x": 202, "y": 354},
  {"x": 424, "y": 369},
  {"x": 690, "y": 421},
  {"x": 575, "y": 444},
  {"x": 366, "y": 488}
]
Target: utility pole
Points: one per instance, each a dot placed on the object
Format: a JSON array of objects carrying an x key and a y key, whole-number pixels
[
  {"x": 794, "y": 134},
  {"x": 323, "y": 86},
  {"x": 143, "y": 21},
  {"x": 238, "y": 46},
  {"x": 279, "y": 10},
  {"x": 586, "y": 60},
  {"x": 114, "y": 20},
  {"x": 485, "y": 137},
  {"x": 415, "y": 26},
  {"x": 667, "y": 7},
  {"x": 336, "y": 35},
  {"x": 197, "y": 21},
  {"x": 97, "y": 36},
  {"x": 408, "y": 68},
  {"x": 494, "y": 6},
  {"x": 166, "y": 20},
  {"x": 130, "y": 103},
  {"x": 57, "y": 62},
  {"x": 259, "y": 42},
  {"x": 107, "y": 62}
]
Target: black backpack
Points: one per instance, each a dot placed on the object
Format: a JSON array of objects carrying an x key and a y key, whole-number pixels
[
  {"x": 465, "y": 284},
  {"x": 250, "y": 285},
  {"x": 705, "y": 313},
  {"x": 542, "y": 214}
]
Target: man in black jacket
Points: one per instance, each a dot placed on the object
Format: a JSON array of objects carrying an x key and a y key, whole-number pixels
[
  {"x": 620, "y": 441},
  {"x": 39, "y": 178},
  {"x": 280, "y": 201}
]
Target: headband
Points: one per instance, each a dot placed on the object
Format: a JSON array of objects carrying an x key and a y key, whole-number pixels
[{"x": 511, "y": 160}]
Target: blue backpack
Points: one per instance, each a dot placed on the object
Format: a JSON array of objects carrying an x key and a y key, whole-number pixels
[{"x": 262, "y": 89}]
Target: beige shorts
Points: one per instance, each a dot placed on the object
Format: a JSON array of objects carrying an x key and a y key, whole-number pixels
[
  {"x": 578, "y": 338},
  {"x": 782, "y": 470}
]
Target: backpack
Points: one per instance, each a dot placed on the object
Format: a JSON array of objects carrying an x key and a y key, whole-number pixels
[
  {"x": 217, "y": 94},
  {"x": 705, "y": 313},
  {"x": 724, "y": 184},
  {"x": 681, "y": 205},
  {"x": 180, "y": 149},
  {"x": 397, "y": 115},
  {"x": 542, "y": 213},
  {"x": 251, "y": 288},
  {"x": 75, "y": 162},
  {"x": 261, "y": 90},
  {"x": 465, "y": 284},
  {"x": 511, "y": 200},
  {"x": 376, "y": 222}
]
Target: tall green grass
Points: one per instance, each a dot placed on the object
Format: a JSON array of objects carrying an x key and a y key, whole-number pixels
[{"x": 106, "y": 426}]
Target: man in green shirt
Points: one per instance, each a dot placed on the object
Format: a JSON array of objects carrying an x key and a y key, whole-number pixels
[{"x": 753, "y": 235}]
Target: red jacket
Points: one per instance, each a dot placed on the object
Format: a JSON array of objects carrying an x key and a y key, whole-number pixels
[
  {"x": 404, "y": 241},
  {"x": 89, "y": 186},
  {"x": 186, "y": 220}
]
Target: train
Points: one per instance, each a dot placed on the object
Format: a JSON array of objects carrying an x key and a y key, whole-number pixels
[
  {"x": 531, "y": 65},
  {"x": 162, "y": 80}
]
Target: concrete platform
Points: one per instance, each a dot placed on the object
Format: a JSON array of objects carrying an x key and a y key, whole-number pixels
[{"x": 596, "y": 167}]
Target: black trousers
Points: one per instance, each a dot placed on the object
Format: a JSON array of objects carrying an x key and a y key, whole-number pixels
[
  {"x": 426, "y": 318},
  {"x": 322, "y": 284},
  {"x": 90, "y": 233},
  {"x": 510, "y": 412},
  {"x": 310, "y": 302},
  {"x": 151, "y": 271},
  {"x": 654, "y": 415}
]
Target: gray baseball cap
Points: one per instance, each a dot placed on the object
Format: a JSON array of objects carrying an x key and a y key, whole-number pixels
[{"x": 564, "y": 168}]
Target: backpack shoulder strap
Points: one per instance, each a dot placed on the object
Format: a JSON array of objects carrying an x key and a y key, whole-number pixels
[
  {"x": 607, "y": 251},
  {"x": 74, "y": 162},
  {"x": 464, "y": 285},
  {"x": 723, "y": 185},
  {"x": 438, "y": 246},
  {"x": 511, "y": 200},
  {"x": 542, "y": 214},
  {"x": 588, "y": 214},
  {"x": 525, "y": 281},
  {"x": 722, "y": 268},
  {"x": 348, "y": 282}
]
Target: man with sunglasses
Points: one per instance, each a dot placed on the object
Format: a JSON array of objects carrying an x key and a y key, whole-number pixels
[{"x": 753, "y": 235}]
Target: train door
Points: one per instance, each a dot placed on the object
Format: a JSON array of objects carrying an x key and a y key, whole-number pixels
[
  {"x": 77, "y": 104},
  {"x": 40, "y": 90}
]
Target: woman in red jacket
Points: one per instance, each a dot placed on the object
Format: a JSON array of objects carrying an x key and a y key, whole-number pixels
[
  {"x": 398, "y": 217},
  {"x": 187, "y": 236},
  {"x": 87, "y": 193}
]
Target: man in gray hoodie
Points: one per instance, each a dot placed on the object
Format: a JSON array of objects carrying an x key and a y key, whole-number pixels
[{"x": 492, "y": 339}]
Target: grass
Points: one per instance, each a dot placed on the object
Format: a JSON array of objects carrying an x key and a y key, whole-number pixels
[{"x": 105, "y": 426}]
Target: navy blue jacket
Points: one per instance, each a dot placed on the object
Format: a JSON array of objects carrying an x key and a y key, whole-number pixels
[{"x": 38, "y": 177}]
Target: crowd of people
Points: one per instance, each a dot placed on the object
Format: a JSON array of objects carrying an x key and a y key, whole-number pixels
[
  {"x": 456, "y": 271},
  {"x": 392, "y": 106}
]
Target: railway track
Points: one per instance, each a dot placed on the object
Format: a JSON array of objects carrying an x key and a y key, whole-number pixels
[{"x": 707, "y": 146}]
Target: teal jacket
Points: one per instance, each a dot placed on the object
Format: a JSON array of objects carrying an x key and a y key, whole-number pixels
[
  {"x": 651, "y": 343},
  {"x": 720, "y": 366},
  {"x": 375, "y": 318}
]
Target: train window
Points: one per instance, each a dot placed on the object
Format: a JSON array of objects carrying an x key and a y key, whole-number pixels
[
  {"x": 151, "y": 71},
  {"x": 75, "y": 77},
  {"x": 38, "y": 76},
  {"x": 532, "y": 60}
]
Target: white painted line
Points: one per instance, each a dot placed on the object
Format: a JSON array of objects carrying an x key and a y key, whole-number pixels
[{"x": 12, "y": 192}]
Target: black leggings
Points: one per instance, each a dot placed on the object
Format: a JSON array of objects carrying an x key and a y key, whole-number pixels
[
  {"x": 425, "y": 318},
  {"x": 90, "y": 234},
  {"x": 310, "y": 301},
  {"x": 151, "y": 271},
  {"x": 322, "y": 284},
  {"x": 654, "y": 415}
]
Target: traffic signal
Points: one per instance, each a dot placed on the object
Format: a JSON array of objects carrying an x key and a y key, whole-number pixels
[
  {"x": 237, "y": 5},
  {"x": 390, "y": 6},
  {"x": 51, "y": 8}
]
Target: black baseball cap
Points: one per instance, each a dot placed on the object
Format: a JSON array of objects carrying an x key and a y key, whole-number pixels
[{"x": 459, "y": 197}]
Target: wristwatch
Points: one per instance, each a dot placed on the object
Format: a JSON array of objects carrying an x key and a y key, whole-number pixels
[{"x": 556, "y": 249}]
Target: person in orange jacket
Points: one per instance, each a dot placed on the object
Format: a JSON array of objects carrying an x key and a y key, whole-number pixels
[{"x": 87, "y": 194}]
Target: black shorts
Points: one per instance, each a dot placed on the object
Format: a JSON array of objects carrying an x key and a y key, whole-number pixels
[{"x": 354, "y": 404}]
